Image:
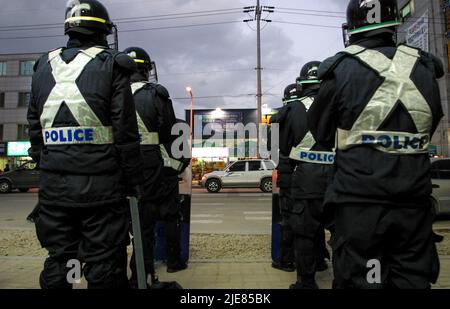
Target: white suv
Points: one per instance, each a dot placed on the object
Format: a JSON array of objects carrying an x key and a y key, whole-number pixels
[{"x": 241, "y": 174}]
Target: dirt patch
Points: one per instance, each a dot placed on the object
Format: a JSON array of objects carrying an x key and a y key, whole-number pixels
[{"x": 202, "y": 246}]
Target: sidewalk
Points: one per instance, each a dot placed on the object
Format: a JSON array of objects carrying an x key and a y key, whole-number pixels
[{"x": 23, "y": 272}]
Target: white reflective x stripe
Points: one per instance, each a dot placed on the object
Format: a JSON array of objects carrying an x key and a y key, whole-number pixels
[
  {"x": 66, "y": 91},
  {"x": 307, "y": 102},
  {"x": 137, "y": 86},
  {"x": 168, "y": 161},
  {"x": 397, "y": 86},
  {"x": 147, "y": 138},
  {"x": 303, "y": 150}
]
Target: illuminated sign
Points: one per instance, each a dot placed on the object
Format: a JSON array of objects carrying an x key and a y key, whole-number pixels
[
  {"x": 18, "y": 149},
  {"x": 210, "y": 152}
]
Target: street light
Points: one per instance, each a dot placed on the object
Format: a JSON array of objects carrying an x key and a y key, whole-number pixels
[{"x": 189, "y": 90}]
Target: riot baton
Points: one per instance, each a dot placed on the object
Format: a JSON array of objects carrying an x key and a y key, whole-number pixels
[{"x": 137, "y": 244}]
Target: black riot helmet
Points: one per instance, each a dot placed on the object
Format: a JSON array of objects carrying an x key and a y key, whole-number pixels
[
  {"x": 87, "y": 17},
  {"x": 290, "y": 93},
  {"x": 141, "y": 57},
  {"x": 368, "y": 15},
  {"x": 309, "y": 74}
]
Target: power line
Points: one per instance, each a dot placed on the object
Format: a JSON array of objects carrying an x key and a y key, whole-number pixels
[
  {"x": 306, "y": 24},
  {"x": 238, "y": 96},
  {"x": 124, "y": 22},
  {"x": 136, "y": 19},
  {"x": 129, "y": 30},
  {"x": 207, "y": 72}
]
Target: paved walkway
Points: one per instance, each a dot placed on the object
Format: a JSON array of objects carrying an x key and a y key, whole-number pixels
[{"x": 23, "y": 272}]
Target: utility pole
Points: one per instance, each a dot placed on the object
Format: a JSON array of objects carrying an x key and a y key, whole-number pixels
[{"x": 258, "y": 9}]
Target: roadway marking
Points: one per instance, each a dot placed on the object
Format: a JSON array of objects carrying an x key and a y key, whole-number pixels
[
  {"x": 258, "y": 218},
  {"x": 206, "y": 203},
  {"x": 206, "y": 221},
  {"x": 257, "y": 212},
  {"x": 207, "y": 216}
]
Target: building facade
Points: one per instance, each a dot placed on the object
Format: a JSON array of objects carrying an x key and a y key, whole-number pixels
[
  {"x": 15, "y": 87},
  {"x": 425, "y": 24}
]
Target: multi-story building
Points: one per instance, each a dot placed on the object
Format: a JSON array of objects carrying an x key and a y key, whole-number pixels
[
  {"x": 424, "y": 26},
  {"x": 15, "y": 83}
]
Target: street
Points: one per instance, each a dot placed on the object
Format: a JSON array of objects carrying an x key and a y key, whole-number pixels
[
  {"x": 230, "y": 244},
  {"x": 222, "y": 213}
]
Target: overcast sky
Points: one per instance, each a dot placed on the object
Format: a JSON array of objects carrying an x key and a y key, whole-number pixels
[{"x": 216, "y": 60}]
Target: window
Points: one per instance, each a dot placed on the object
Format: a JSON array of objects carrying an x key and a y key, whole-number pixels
[
  {"x": 407, "y": 10},
  {"x": 238, "y": 167},
  {"x": 440, "y": 169},
  {"x": 26, "y": 67},
  {"x": 22, "y": 132},
  {"x": 24, "y": 99},
  {"x": 1, "y": 132},
  {"x": 254, "y": 166},
  {"x": 2, "y": 100},
  {"x": 3, "y": 67},
  {"x": 269, "y": 165}
]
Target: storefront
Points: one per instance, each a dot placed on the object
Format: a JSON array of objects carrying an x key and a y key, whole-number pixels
[
  {"x": 17, "y": 153},
  {"x": 222, "y": 136}
]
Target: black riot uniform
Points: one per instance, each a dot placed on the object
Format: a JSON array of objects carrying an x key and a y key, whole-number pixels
[
  {"x": 155, "y": 116},
  {"x": 169, "y": 210},
  {"x": 384, "y": 103},
  {"x": 312, "y": 174},
  {"x": 84, "y": 135},
  {"x": 284, "y": 171}
]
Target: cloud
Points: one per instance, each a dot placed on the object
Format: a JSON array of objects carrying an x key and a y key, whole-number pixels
[{"x": 215, "y": 60}]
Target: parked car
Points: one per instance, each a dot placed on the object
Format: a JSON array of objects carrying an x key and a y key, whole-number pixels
[
  {"x": 241, "y": 174},
  {"x": 23, "y": 178},
  {"x": 440, "y": 174}
]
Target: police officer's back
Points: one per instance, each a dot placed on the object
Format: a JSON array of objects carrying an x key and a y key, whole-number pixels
[
  {"x": 155, "y": 116},
  {"x": 284, "y": 175},
  {"x": 384, "y": 103},
  {"x": 83, "y": 132}
]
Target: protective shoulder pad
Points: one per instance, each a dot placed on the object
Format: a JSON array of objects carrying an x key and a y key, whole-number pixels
[
  {"x": 42, "y": 59},
  {"x": 125, "y": 62},
  {"x": 433, "y": 63},
  {"x": 162, "y": 91},
  {"x": 330, "y": 64}
]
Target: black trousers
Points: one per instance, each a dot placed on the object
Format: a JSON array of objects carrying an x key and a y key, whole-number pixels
[
  {"x": 306, "y": 221},
  {"x": 96, "y": 236},
  {"x": 287, "y": 235},
  {"x": 165, "y": 208},
  {"x": 400, "y": 239}
]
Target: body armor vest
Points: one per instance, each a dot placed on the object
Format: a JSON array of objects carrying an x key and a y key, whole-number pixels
[
  {"x": 152, "y": 138},
  {"x": 90, "y": 129},
  {"x": 147, "y": 137},
  {"x": 303, "y": 152},
  {"x": 397, "y": 87}
]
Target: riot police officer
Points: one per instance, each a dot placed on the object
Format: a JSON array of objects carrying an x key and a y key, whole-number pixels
[
  {"x": 84, "y": 135},
  {"x": 384, "y": 103},
  {"x": 312, "y": 174},
  {"x": 155, "y": 117},
  {"x": 284, "y": 170},
  {"x": 169, "y": 211}
]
